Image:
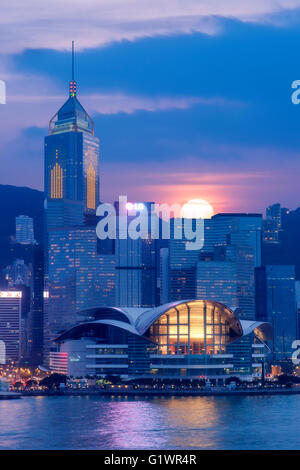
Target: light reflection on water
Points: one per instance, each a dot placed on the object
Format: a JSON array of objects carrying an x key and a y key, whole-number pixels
[{"x": 82, "y": 422}]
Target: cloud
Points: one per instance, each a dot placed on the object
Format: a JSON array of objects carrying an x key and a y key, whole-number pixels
[
  {"x": 249, "y": 187},
  {"x": 230, "y": 177},
  {"x": 116, "y": 103},
  {"x": 32, "y": 99},
  {"x": 35, "y": 24},
  {"x": 123, "y": 103},
  {"x": 27, "y": 115},
  {"x": 24, "y": 111}
]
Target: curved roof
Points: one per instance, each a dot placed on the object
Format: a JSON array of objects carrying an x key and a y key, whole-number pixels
[
  {"x": 80, "y": 327},
  {"x": 262, "y": 330},
  {"x": 138, "y": 320},
  {"x": 127, "y": 314},
  {"x": 118, "y": 324},
  {"x": 145, "y": 320},
  {"x": 142, "y": 318}
]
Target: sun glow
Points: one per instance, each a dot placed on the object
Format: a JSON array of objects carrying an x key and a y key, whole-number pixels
[{"x": 197, "y": 209}]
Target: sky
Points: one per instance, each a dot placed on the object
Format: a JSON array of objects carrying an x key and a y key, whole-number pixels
[{"x": 190, "y": 99}]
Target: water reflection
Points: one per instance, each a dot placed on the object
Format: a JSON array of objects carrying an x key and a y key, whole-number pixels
[{"x": 157, "y": 423}]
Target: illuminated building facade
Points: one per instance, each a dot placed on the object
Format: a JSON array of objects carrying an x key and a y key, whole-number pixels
[
  {"x": 234, "y": 242},
  {"x": 36, "y": 314},
  {"x": 277, "y": 304},
  {"x": 227, "y": 275},
  {"x": 136, "y": 263},
  {"x": 272, "y": 224},
  {"x": 217, "y": 280},
  {"x": 187, "y": 339},
  {"x": 236, "y": 229},
  {"x": 71, "y": 199},
  {"x": 71, "y": 166},
  {"x": 24, "y": 230},
  {"x": 26, "y": 273},
  {"x": 182, "y": 267},
  {"x": 80, "y": 276},
  {"x": 163, "y": 275},
  {"x": 135, "y": 273},
  {"x": 18, "y": 273},
  {"x": 10, "y": 325}
]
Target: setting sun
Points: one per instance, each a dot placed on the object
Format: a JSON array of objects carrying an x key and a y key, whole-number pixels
[{"x": 197, "y": 209}]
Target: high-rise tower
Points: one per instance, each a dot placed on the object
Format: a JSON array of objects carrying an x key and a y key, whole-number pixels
[
  {"x": 71, "y": 164},
  {"x": 71, "y": 199}
]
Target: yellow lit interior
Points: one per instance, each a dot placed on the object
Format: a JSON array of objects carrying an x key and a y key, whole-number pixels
[
  {"x": 91, "y": 188},
  {"x": 192, "y": 328},
  {"x": 57, "y": 182}
]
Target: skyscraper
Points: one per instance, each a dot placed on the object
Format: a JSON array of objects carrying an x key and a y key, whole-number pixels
[
  {"x": 78, "y": 277},
  {"x": 71, "y": 165},
  {"x": 24, "y": 230},
  {"x": 163, "y": 275},
  {"x": 182, "y": 265},
  {"x": 35, "y": 324},
  {"x": 18, "y": 273},
  {"x": 27, "y": 275},
  {"x": 217, "y": 280},
  {"x": 276, "y": 303},
  {"x": 223, "y": 270},
  {"x": 225, "y": 273},
  {"x": 71, "y": 199},
  {"x": 10, "y": 324},
  {"x": 272, "y": 224},
  {"x": 235, "y": 229},
  {"x": 136, "y": 264}
]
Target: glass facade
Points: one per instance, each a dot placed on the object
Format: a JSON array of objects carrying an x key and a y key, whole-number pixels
[
  {"x": 276, "y": 304},
  {"x": 182, "y": 267},
  {"x": 272, "y": 224},
  {"x": 186, "y": 339},
  {"x": 217, "y": 280},
  {"x": 198, "y": 327},
  {"x": 136, "y": 270},
  {"x": 71, "y": 175},
  {"x": 74, "y": 273},
  {"x": 235, "y": 229},
  {"x": 79, "y": 276},
  {"x": 90, "y": 148},
  {"x": 10, "y": 324},
  {"x": 24, "y": 230}
]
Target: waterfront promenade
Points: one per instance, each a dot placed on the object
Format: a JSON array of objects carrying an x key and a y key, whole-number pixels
[
  {"x": 216, "y": 391},
  {"x": 9, "y": 395}
]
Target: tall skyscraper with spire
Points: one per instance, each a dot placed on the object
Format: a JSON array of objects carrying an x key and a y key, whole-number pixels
[
  {"x": 71, "y": 164},
  {"x": 71, "y": 199}
]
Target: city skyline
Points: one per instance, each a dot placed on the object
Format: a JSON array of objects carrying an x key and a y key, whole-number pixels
[
  {"x": 235, "y": 117},
  {"x": 149, "y": 244}
]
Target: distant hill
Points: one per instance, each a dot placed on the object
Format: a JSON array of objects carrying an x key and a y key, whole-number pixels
[{"x": 15, "y": 200}]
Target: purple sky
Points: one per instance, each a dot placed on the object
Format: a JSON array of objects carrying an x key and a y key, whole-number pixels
[{"x": 190, "y": 99}]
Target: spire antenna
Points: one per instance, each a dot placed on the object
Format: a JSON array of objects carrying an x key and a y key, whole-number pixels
[
  {"x": 72, "y": 84},
  {"x": 73, "y": 61}
]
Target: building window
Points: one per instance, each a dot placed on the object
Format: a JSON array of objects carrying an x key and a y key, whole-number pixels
[
  {"x": 198, "y": 327},
  {"x": 57, "y": 182},
  {"x": 91, "y": 188}
]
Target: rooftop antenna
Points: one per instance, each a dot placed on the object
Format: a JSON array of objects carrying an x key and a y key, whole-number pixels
[
  {"x": 73, "y": 61},
  {"x": 72, "y": 84}
]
